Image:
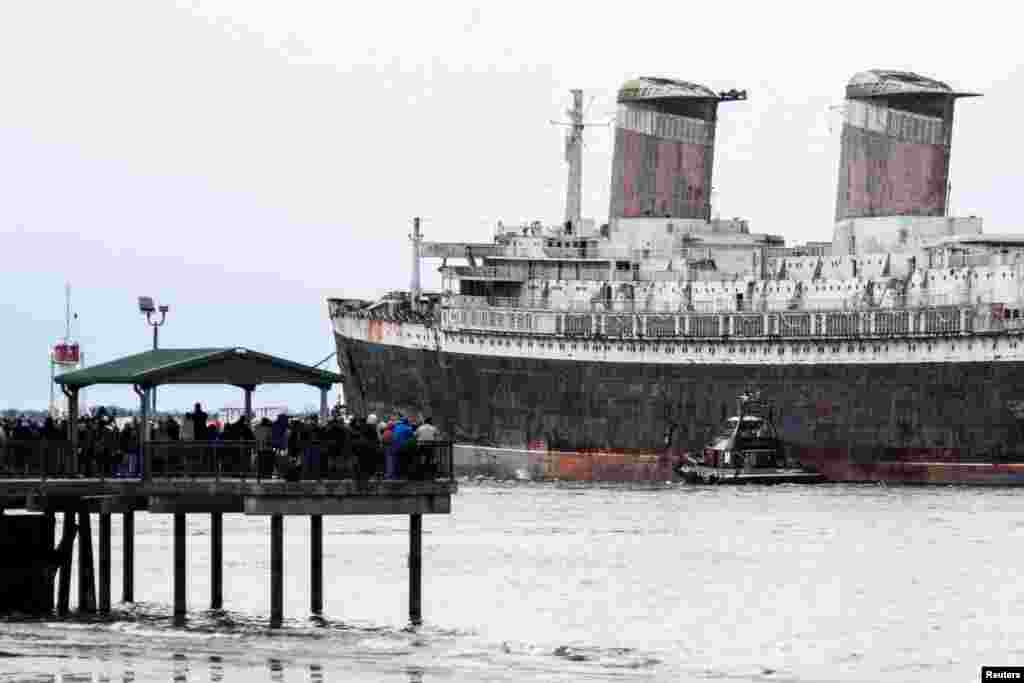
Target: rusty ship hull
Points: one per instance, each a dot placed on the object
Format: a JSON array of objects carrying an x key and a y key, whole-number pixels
[{"x": 927, "y": 423}]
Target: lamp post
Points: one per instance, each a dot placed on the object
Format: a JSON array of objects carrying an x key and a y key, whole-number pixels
[{"x": 146, "y": 306}]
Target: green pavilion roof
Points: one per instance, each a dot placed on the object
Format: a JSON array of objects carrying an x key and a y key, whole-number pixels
[{"x": 233, "y": 366}]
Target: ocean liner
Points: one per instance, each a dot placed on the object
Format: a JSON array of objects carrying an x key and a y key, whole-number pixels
[{"x": 892, "y": 352}]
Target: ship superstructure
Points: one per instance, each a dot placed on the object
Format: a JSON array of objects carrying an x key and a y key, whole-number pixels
[{"x": 874, "y": 346}]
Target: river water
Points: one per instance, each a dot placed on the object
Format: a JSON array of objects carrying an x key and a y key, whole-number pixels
[{"x": 541, "y": 582}]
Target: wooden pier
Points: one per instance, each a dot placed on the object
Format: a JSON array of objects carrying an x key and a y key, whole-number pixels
[
  {"x": 274, "y": 499},
  {"x": 180, "y": 478}
]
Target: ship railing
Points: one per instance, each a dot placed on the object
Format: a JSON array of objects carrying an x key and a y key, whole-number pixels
[
  {"x": 486, "y": 272},
  {"x": 649, "y": 322}
]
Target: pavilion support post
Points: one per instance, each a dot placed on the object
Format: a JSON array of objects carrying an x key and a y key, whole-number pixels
[
  {"x": 128, "y": 557},
  {"x": 216, "y": 560},
  {"x": 86, "y": 575},
  {"x": 144, "y": 459},
  {"x": 324, "y": 413},
  {"x": 72, "y": 464},
  {"x": 316, "y": 563},
  {"x": 180, "y": 567},
  {"x": 104, "y": 563},
  {"x": 276, "y": 570},
  {"x": 66, "y": 543},
  {"x": 415, "y": 565},
  {"x": 248, "y": 403}
]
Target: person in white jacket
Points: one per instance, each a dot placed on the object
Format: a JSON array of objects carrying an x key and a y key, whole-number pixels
[{"x": 427, "y": 431}]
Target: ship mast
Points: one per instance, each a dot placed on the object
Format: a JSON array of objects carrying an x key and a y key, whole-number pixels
[
  {"x": 574, "y": 157},
  {"x": 414, "y": 286}
]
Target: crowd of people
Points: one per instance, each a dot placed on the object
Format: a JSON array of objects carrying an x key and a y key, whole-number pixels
[{"x": 345, "y": 445}]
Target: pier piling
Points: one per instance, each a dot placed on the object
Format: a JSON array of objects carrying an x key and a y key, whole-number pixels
[
  {"x": 104, "y": 562},
  {"x": 415, "y": 565},
  {"x": 180, "y": 567},
  {"x": 86, "y": 574},
  {"x": 216, "y": 560},
  {"x": 276, "y": 570},
  {"x": 64, "y": 587},
  {"x": 316, "y": 563},
  {"x": 128, "y": 557}
]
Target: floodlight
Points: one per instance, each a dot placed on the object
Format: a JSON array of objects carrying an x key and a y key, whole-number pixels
[
  {"x": 146, "y": 304},
  {"x": 165, "y": 308}
]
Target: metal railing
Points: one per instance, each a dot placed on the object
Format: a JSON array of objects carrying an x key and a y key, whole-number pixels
[
  {"x": 651, "y": 322},
  {"x": 36, "y": 458},
  {"x": 242, "y": 460},
  {"x": 429, "y": 461},
  {"x": 216, "y": 459}
]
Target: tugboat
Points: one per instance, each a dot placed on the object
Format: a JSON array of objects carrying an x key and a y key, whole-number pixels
[{"x": 745, "y": 450}]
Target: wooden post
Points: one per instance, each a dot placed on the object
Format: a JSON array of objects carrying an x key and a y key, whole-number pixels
[
  {"x": 324, "y": 412},
  {"x": 180, "y": 567},
  {"x": 73, "y": 432},
  {"x": 67, "y": 542},
  {"x": 316, "y": 563},
  {"x": 128, "y": 557},
  {"x": 216, "y": 560},
  {"x": 49, "y": 539},
  {"x": 248, "y": 403},
  {"x": 144, "y": 454},
  {"x": 86, "y": 575},
  {"x": 415, "y": 564},
  {"x": 276, "y": 570},
  {"x": 104, "y": 562}
]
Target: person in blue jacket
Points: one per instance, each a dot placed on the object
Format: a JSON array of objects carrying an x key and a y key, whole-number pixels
[{"x": 401, "y": 433}]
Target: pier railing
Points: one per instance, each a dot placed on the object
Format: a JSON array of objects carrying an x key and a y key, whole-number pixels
[
  {"x": 35, "y": 458},
  {"x": 310, "y": 460}
]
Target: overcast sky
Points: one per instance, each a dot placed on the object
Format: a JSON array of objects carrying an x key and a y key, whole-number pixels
[{"x": 241, "y": 160}]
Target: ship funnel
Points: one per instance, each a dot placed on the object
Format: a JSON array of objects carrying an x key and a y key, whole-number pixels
[
  {"x": 664, "y": 148},
  {"x": 897, "y": 131}
]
